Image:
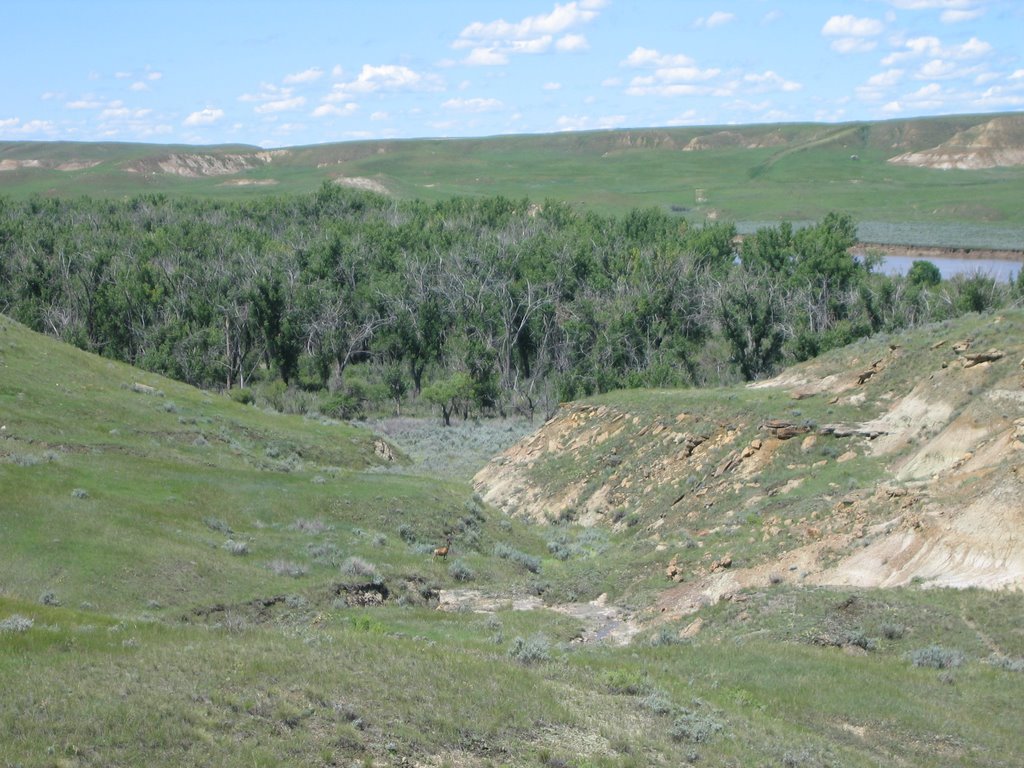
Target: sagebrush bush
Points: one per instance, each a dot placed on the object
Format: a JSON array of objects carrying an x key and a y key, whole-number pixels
[
  {"x": 216, "y": 524},
  {"x": 288, "y": 568},
  {"x": 697, "y": 727},
  {"x": 530, "y": 651},
  {"x": 506, "y": 552},
  {"x": 459, "y": 571},
  {"x": 893, "y": 631},
  {"x": 237, "y": 548},
  {"x": 658, "y": 702},
  {"x": 357, "y": 566},
  {"x": 324, "y": 553},
  {"x": 79, "y": 493},
  {"x": 937, "y": 657},
  {"x": 16, "y": 623},
  {"x": 49, "y": 598}
]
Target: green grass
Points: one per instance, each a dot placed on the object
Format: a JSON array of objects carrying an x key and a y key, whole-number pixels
[
  {"x": 800, "y": 172},
  {"x": 157, "y": 645}
]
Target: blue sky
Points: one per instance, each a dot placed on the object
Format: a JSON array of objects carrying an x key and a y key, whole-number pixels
[{"x": 303, "y": 72}]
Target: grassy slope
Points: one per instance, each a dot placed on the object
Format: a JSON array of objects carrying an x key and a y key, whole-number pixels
[
  {"x": 159, "y": 655},
  {"x": 801, "y": 172}
]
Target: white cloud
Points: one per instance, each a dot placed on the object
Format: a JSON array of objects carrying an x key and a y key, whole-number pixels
[
  {"x": 281, "y": 105},
  {"x": 893, "y": 107},
  {"x": 305, "y": 76},
  {"x": 490, "y": 43},
  {"x": 376, "y": 116},
  {"x": 268, "y": 92},
  {"x": 919, "y": 47},
  {"x": 124, "y": 113},
  {"x": 85, "y": 103},
  {"x": 138, "y": 85},
  {"x": 388, "y": 78},
  {"x": 852, "y": 33},
  {"x": 956, "y": 17},
  {"x": 851, "y": 26},
  {"x": 1017, "y": 75},
  {"x": 648, "y": 57},
  {"x": 716, "y": 19},
  {"x": 206, "y": 116},
  {"x": 587, "y": 123},
  {"x": 154, "y": 75},
  {"x": 572, "y": 43},
  {"x": 770, "y": 80},
  {"x": 122, "y": 75},
  {"x": 485, "y": 57},
  {"x": 853, "y": 45},
  {"x": 886, "y": 79},
  {"x": 345, "y": 110},
  {"x": 473, "y": 105},
  {"x": 552, "y": 86},
  {"x": 9, "y": 122}
]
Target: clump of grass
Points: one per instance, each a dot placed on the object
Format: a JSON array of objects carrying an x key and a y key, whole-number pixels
[
  {"x": 506, "y": 552},
  {"x": 534, "y": 650},
  {"x": 237, "y": 548},
  {"x": 288, "y": 568},
  {"x": 379, "y": 540},
  {"x": 627, "y": 681},
  {"x": 459, "y": 571},
  {"x": 16, "y": 623},
  {"x": 937, "y": 657},
  {"x": 79, "y": 493}
]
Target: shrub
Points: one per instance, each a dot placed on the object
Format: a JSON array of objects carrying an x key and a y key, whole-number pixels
[
  {"x": 79, "y": 493},
  {"x": 532, "y": 651},
  {"x": 357, "y": 566},
  {"x": 893, "y": 631},
  {"x": 49, "y": 598},
  {"x": 237, "y": 548},
  {"x": 657, "y": 702},
  {"x": 529, "y": 562},
  {"x": 460, "y": 571},
  {"x": 243, "y": 396},
  {"x": 216, "y": 524},
  {"x": 626, "y": 681},
  {"x": 937, "y": 657},
  {"x": 1006, "y": 662},
  {"x": 287, "y": 568},
  {"x": 326, "y": 554},
  {"x": 310, "y": 526},
  {"x": 16, "y": 623},
  {"x": 697, "y": 727}
]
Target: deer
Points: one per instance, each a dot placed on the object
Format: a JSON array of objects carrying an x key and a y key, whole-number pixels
[{"x": 442, "y": 552}]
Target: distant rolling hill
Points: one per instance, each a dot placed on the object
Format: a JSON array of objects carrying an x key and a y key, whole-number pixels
[{"x": 942, "y": 171}]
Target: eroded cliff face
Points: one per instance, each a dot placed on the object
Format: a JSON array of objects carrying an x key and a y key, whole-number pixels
[
  {"x": 879, "y": 465},
  {"x": 997, "y": 143}
]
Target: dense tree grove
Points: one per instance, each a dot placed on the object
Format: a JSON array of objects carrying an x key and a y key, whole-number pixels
[{"x": 480, "y": 305}]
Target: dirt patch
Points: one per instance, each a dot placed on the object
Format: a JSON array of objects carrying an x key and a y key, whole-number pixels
[{"x": 363, "y": 183}]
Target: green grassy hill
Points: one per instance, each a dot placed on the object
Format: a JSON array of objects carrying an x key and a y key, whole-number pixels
[
  {"x": 187, "y": 580},
  {"x": 757, "y": 173}
]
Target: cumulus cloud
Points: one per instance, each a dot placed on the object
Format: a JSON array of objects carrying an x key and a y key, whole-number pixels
[
  {"x": 552, "y": 86},
  {"x": 305, "y": 76},
  {"x": 931, "y": 46},
  {"x": 334, "y": 110},
  {"x": 851, "y": 26},
  {"x": 139, "y": 85},
  {"x": 648, "y": 57},
  {"x": 387, "y": 78},
  {"x": 716, "y": 19},
  {"x": 281, "y": 105},
  {"x": 572, "y": 43},
  {"x": 490, "y": 43},
  {"x": 586, "y": 123},
  {"x": 86, "y": 103},
  {"x": 770, "y": 80},
  {"x": 853, "y": 34},
  {"x": 206, "y": 116},
  {"x": 952, "y": 11},
  {"x": 473, "y": 105}
]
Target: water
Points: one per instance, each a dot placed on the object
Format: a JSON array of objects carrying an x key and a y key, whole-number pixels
[{"x": 1003, "y": 270}]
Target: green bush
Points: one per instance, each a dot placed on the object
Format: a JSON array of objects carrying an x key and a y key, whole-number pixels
[
  {"x": 460, "y": 571},
  {"x": 531, "y": 651},
  {"x": 697, "y": 727},
  {"x": 937, "y": 657}
]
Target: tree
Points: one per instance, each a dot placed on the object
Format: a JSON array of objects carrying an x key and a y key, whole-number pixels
[{"x": 924, "y": 273}]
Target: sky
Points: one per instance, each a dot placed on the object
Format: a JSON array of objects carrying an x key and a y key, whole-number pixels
[{"x": 296, "y": 72}]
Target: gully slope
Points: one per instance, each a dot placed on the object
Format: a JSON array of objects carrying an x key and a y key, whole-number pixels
[{"x": 890, "y": 462}]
